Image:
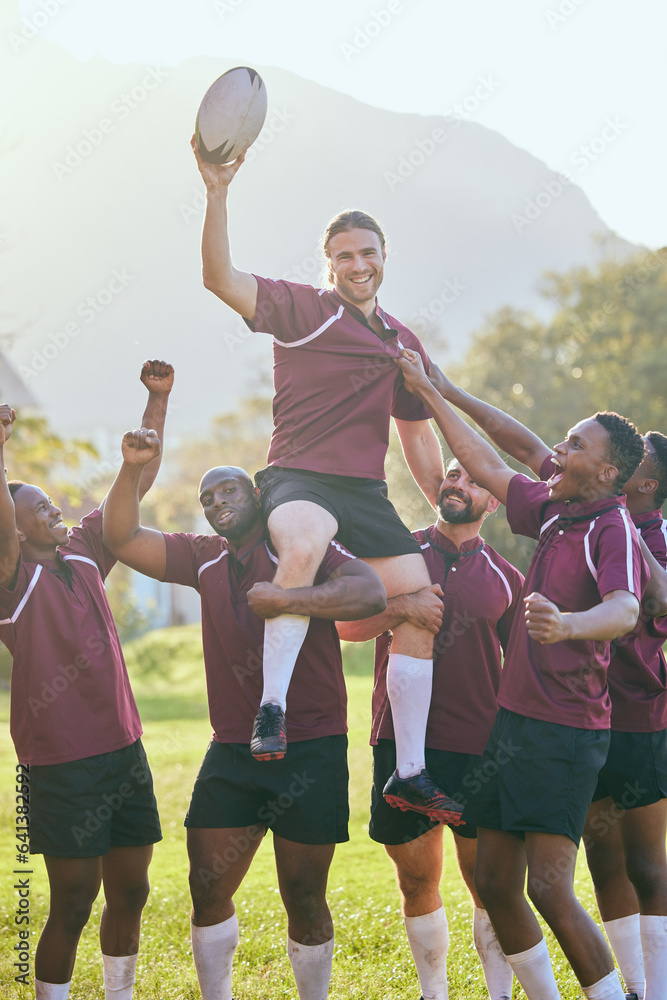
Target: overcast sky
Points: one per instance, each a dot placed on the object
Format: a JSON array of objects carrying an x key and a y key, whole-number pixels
[{"x": 578, "y": 83}]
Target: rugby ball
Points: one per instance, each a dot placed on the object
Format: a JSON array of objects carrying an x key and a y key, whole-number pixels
[{"x": 231, "y": 115}]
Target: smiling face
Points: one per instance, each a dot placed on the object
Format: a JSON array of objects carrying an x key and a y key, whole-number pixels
[
  {"x": 39, "y": 521},
  {"x": 356, "y": 265},
  {"x": 583, "y": 469},
  {"x": 230, "y": 503},
  {"x": 461, "y": 500}
]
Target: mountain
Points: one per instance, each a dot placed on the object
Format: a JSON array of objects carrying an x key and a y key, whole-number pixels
[{"x": 100, "y": 239}]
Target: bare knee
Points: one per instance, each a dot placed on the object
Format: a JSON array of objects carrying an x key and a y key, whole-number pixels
[
  {"x": 131, "y": 898},
  {"x": 645, "y": 872},
  {"x": 72, "y": 913}
]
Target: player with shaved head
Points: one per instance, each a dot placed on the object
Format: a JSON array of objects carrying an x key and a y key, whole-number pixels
[
  {"x": 301, "y": 797},
  {"x": 74, "y": 721},
  {"x": 470, "y": 607},
  {"x": 583, "y": 589},
  {"x": 336, "y": 388}
]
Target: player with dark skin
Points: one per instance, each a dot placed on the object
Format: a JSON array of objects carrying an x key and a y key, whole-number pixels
[
  {"x": 625, "y": 845},
  {"x": 231, "y": 505},
  {"x": 585, "y": 474},
  {"x": 31, "y": 526}
]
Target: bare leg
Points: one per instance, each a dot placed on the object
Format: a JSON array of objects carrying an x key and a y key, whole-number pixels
[
  {"x": 551, "y": 863},
  {"x": 219, "y": 861},
  {"x": 74, "y": 884},
  {"x": 303, "y": 870},
  {"x": 126, "y": 888},
  {"x": 418, "y": 866}
]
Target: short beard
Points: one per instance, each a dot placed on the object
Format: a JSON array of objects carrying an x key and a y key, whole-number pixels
[{"x": 466, "y": 515}]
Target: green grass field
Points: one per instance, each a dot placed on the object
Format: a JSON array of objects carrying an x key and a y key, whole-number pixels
[{"x": 372, "y": 959}]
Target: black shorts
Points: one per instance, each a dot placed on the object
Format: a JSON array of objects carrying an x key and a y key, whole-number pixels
[
  {"x": 392, "y": 826},
  {"x": 85, "y": 807},
  {"x": 302, "y": 797},
  {"x": 635, "y": 772},
  {"x": 535, "y": 777},
  {"x": 368, "y": 524}
]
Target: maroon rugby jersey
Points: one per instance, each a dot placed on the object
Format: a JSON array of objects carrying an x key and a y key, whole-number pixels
[
  {"x": 637, "y": 671},
  {"x": 233, "y": 638},
  {"x": 336, "y": 383},
  {"x": 585, "y": 550},
  {"x": 70, "y": 693},
  {"x": 482, "y": 592}
]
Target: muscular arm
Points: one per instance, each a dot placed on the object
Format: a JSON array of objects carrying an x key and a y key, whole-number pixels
[
  {"x": 158, "y": 377},
  {"x": 237, "y": 289},
  {"x": 506, "y": 433},
  {"x": 654, "y": 598},
  {"x": 352, "y": 590},
  {"x": 140, "y": 548},
  {"x": 479, "y": 459},
  {"x": 421, "y": 449},
  {"x": 9, "y": 543},
  {"x": 423, "y": 609},
  {"x": 616, "y": 615}
]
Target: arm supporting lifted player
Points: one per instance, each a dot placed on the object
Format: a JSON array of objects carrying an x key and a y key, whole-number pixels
[
  {"x": 618, "y": 612},
  {"x": 352, "y": 589}
]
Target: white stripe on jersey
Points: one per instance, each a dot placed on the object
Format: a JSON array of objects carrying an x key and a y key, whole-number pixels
[
  {"x": 31, "y": 587},
  {"x": 82, "y": 559},
  {"x": 628, "y": 556},
  {"x": 341, "y": 548},
  {"x": 211, "y": 562},
  {"x": 510, "y": 595},
  {"x": 311, "y": 336},
  {"x": 587, "y": 550},
  {"x": 547, "y": 523}
]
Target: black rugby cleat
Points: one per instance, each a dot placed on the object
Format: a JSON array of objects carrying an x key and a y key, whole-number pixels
[
  {"x": 269, "y": 736},
  {"x": 419, "y": 793}
]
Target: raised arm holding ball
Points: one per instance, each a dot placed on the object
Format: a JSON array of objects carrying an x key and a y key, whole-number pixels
[{"x": 336, "y": 387}]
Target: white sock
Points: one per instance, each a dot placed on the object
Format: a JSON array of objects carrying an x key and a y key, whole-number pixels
[
  {"x": 213, "y": 950},
  {"x": 51, "y": 991},
  {"x": 533, "y": 970},
  {"x": 654, "y": 946},
  {"x": 311, "y": 965},
  {"x": 409, "y": 683},
  {"x": 283, "y": 638},
  {"x": 119, "y": 976},
  {"x": 608, "y": 988},
  {"x": 429, "y": 940},
  {"x": 626, "y": 943},
  {"x": 498, "y": 973}
]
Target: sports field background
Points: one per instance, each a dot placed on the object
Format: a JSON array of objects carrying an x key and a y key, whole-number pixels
[{"x": 372, "y": 958}]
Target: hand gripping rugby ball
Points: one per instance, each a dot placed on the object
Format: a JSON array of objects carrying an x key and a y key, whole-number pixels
[{"x": 231, "y": 115}]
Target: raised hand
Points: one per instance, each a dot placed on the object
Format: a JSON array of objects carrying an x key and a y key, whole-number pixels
[
  {"x": 140, "y": 447},
  {"x": 216, "y": 175},
  {"x": 545, "y": 623},
  {"x": 7, "y": 418},
  {"x": 157, "y": 376}
]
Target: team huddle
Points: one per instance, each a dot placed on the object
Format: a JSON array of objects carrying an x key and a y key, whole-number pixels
[{"x": 524, "y": 714}]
